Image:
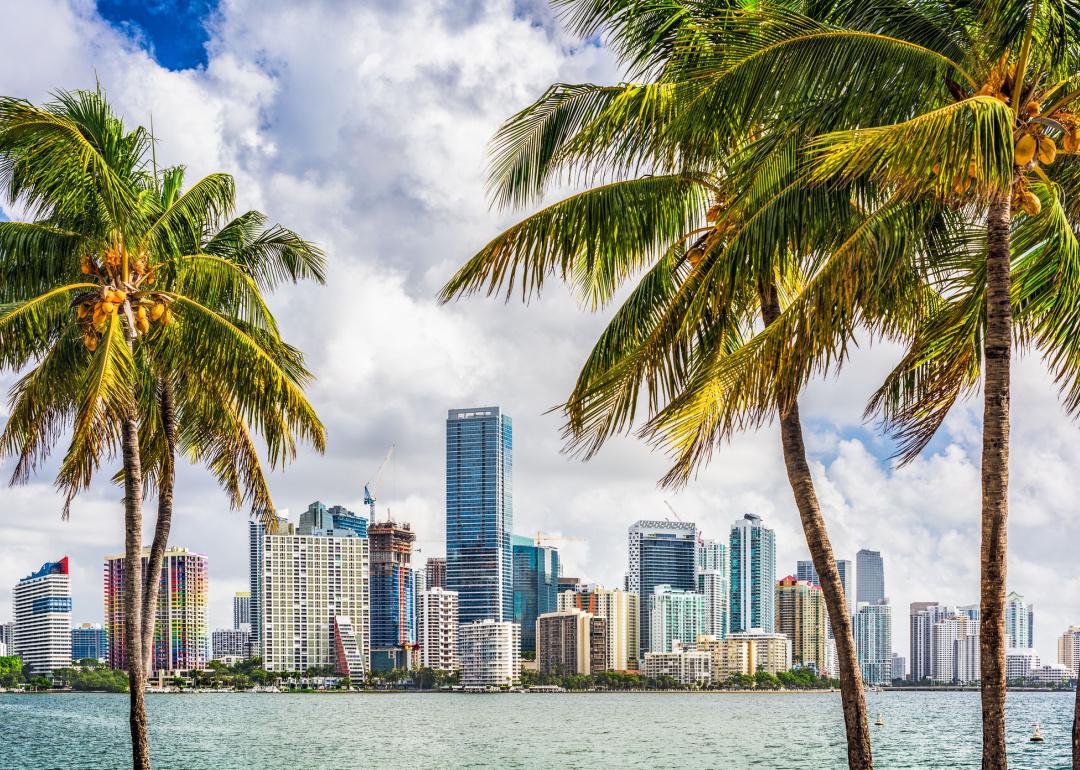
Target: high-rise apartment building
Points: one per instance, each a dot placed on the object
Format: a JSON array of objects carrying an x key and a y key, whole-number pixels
[
  {"x": 660, "y": 553},
  {"x": 762, "y": 651},
  {"x": 714, "y": 583},
  {"x": 805, "y": 571},
  {"x": 256, "y": 532},
  {"x": 241, "y": 611},
  {"x": 620, "y": 609},
  {"x": 870, "y": 577},
  {"x": 393, "y": 594},
  {"x": 689, "y": 667},
  {"x": 7, "y": 636},
  {"x": 923, "y": 616},
  {"x": 800, "y": 616},
  {"x": 181, "y": 632},
  {"x": 337, "y": 520},
  {"x": 571, "y": 642},
  {"x": 480, "y": 513},
  {"x": 753, "y": 576},
  {"x": 536, "y": 586},
  {"x": 899, "y": 667},
  {"x": 490, "y": 654},
  {"x": 956, "y": 650},
  {"x": 89, "y": 641},
  {"x": 438, "y": 629},
  {"x": 434, "y": 573},
  {"x": 1069, "y": 649},
  {"x": 307, "y": 582},
  {"x": 230, "y": 643},
  {"x": 42, "y": 602},
  {"x": 1019, "y": 619},
  {"x": 873, "y": 642},
  {"x": 674, "y": 617}
]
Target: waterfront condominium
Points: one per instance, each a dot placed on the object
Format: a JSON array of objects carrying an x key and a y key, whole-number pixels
[
  {"x": 800, "y": 615},
  {"x": 256, "y": 531},
  {"x": 746, "y": 654},
  {"x": 43, "y": 618},
  {"x": 956, "y": 650},
  {"x": 181, "y": 633},
  {"x": 435, "y": 573},
  {"x": 1019, "y": 622},
  {"x": 753, "y": 575},
  {"x": 674, "y": 617},
  {"x": 923, "y": 616},
  {"x": 869, "y": 577},
  {"x": 241, "y": 611},
  {"x": 479, "y": 513},
  {"x": 688, "y": 667},
  {"x": 873, "y": 642},
  {"x": 1068, "y": 649},
  {"x": 89, "y": 641},
  {"x": 393, "y": 594},
  {"x": 230, "y": 643},
  {"x": 536, "y": 586},
  {"x": 660, "y": 553},
  {"x": 490, "y": 654},
  {"x": 714, "y": 583},
  {"x": 438, "y": 629},
  {"x": 571, "y": 642},
  {"x": 620, "y": 609},
  {"x": 805, "y": 571},
  {"x": 308, "y": 581}
]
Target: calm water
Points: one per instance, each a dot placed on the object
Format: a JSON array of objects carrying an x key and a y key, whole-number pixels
[{"x": 309, "y": 732}]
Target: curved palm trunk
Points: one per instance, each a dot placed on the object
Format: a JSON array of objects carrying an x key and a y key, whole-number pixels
[
  {"x": 1076, "y": 729},
  {"x": 152, "y": 579},
  {"x": 140, "y": 745},
  {"x": 860, "y": 756},
  {"x": 995, "y": 484}
]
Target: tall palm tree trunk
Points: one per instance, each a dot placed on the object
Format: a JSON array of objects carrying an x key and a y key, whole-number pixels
[
  {"x": 995, "y": 484},
  {"x": 140, "y": 745},
  {"x": 1076, "y": 729},
  {"x": 853, "y": 701},
  {"x": 152, "y": 580}
]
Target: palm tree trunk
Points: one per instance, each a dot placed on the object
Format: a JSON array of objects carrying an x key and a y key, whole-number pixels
[
  {"x": 140, "y": 745},
  {"x": 1076, "y": 729},
  {"x": 995, "y": 484},
  {"x": 166, "y": 483},
  {"x": 853, "y": 701}
]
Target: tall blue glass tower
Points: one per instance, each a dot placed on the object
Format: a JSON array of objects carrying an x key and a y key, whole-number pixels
[
  {"x": 479, "y": 513},
  {"x": 753, "y": 575},
  {"x": 661, "y": 553},
  {"x": 536, "y": 586}
]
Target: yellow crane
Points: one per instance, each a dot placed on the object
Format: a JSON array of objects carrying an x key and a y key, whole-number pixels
[{"x": 542, "y": 537}]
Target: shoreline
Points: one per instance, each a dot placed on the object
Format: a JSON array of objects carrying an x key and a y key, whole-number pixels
[{"x": 886, "y": 691}]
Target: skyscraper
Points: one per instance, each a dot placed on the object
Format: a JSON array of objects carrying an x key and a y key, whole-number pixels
[
  {"x": 800, "y": 615},
  {"x": 536, "y": 586},
  {"x": 873, "y": 642},
  {"x": 435, "y": 573},
  {"x": 660, "y": 553},
  {"x": 714, "y": 582},
  {"x": 479, "y": 513},
  {"x": 923, "y": 617},
  {"x": 870, "y": 577},
  {"x": 753, "y": 575},
  {"x": 620, "y": 609},
  {"x": 241, "y": 611},
  {"x": 393, "y": 594},
  {"x": 43, "y": 618},
  {"x": 181, "y": 633},
  {"x": 89, "y": 640},
  {"x": 675, "y": 617},
  {"x": 1018, "y": 621},
  {"x": 256, "y": 533}
]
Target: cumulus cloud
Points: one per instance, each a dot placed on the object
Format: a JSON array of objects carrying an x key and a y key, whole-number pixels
[{"x": 365, "y": 128}]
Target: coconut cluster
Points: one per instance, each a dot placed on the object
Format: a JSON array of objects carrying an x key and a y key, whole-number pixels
[{"x": 95, "y": 309}]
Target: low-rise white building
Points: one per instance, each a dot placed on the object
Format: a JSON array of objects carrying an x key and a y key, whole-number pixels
[
  {"x": 688, "y": 667},
  {"x": 490, "y": 654},
  {"x": 1019, "y": 662},
  {"x": 1050, "y": 674}
]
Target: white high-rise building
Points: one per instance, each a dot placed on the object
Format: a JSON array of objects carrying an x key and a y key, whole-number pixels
[
  {"x": 438, "y": 629},
  {"x": 923, "y": 616},
  {"x": 873, "y": 642},
  {"x": 956, "y": 650},
  {"x": 307, "y": 581},
  {"x": 43, "y": 618},
  {"x": 692, "y": 668},
  {"x": 714, "y": 583},
  {"x": 490, "y": 654},
  {"x": 1019, "y": 617},
  {"x": 1069, "y": 649},
  {"x": 620, "y": 609},
  {"x": 674, "y": 616}
]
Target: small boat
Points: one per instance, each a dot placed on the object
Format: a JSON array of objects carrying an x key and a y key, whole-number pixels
[
  {"x": 881, "y": 720},
  {"x": 1036, "y": 737}
]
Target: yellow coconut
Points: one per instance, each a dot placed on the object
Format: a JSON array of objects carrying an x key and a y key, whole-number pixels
[
  {"x": 1026, "y": 147},
  {"x": 1047, "y": 150},
  {"x": 1031, "y": 204}
]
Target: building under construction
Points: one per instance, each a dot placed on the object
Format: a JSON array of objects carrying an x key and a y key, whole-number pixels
[{"x": 393, "y": 595}]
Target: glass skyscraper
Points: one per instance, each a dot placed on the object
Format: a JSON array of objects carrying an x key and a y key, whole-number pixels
[
  {"x": 661, "y": 553},
  {"x": 753, "y": 575},
  {"x": 479, "y": 513},
  {"x": 89, "y": 640},
  {"x": 870, "y": 577},
  {"x": 536, "y": 586}
]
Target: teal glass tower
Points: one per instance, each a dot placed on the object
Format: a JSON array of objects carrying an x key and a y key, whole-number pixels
[
  {"x": 536, "y": 586},
  {"x": 479, "y": 513},
  {"x": 753, "y": 575}
]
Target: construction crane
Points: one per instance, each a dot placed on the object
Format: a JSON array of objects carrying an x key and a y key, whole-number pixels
[
  {"x": 677, "y": 517},
  {"x": 369, "y": 487},
  {"x": 542, "y": 537}
]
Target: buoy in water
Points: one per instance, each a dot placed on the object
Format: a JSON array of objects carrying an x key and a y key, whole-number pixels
[
  {"x": 881, "y": 720},
  {"x": 1036, "y": 737}
]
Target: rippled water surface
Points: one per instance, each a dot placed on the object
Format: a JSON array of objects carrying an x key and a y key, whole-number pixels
[{"x": 311, "y": 732}]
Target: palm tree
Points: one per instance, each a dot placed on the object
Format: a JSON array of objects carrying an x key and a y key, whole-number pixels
[{"x": 81, "y": 310}]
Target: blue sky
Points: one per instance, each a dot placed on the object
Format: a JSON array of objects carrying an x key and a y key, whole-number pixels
[{"x": 173, "y": 31}]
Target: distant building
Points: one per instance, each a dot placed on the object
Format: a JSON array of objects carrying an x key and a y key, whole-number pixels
[
  {"x": 571, "y": 642},
  {"x": 241, "y": 611},
  {"x": 832, "y": 662},
  {"x": 1069, "y": 649},
  {"x": 181, "y": 633},
  {"x": 956, "y": 650},
  {"x": 569, "y": 584},
  {"x": 728, "y": 657},
  {"x": 89, "y": 641},
  {"x": 753, "y": 575},
  {"x": 480, "y": 513},
  {"x": 230, "y": 643},
  {"x": 923, "y": 616},
  {"x": 674, "y": 616},
  {"x": 1018, "y": 621},
  {"x": 870, "y": 577},
  {"x": 43, "y": 618},
  {"x": 438, "y": 629},
  {"x": 800, "y": 615},
  {"x": 899, "y": 667},
  {"x": 805, "y": 571},
  {"x": 435, "y": 573},
  {"x": 7, "y": 636},
  {"x": 490, "y": 654},
  {"x": 873, "y": 642},
  {"x": 336, "y": 520},
  {"x": 620, "y": 609},
  {"x": 714, "y": 583},
  {"x": 660, "y": 553},
  {"x": 686, "y": 666},
  {"x": 1019, "y": 664},
  {"x": 256, "y": 532},
  {"x": 349, "y": 659},
  {"x": 765, "y": 651},
  {"x": 536, "y": 586},
  {"x": 393, "y": 594},
  {"x": 1050, "y": 674}
]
